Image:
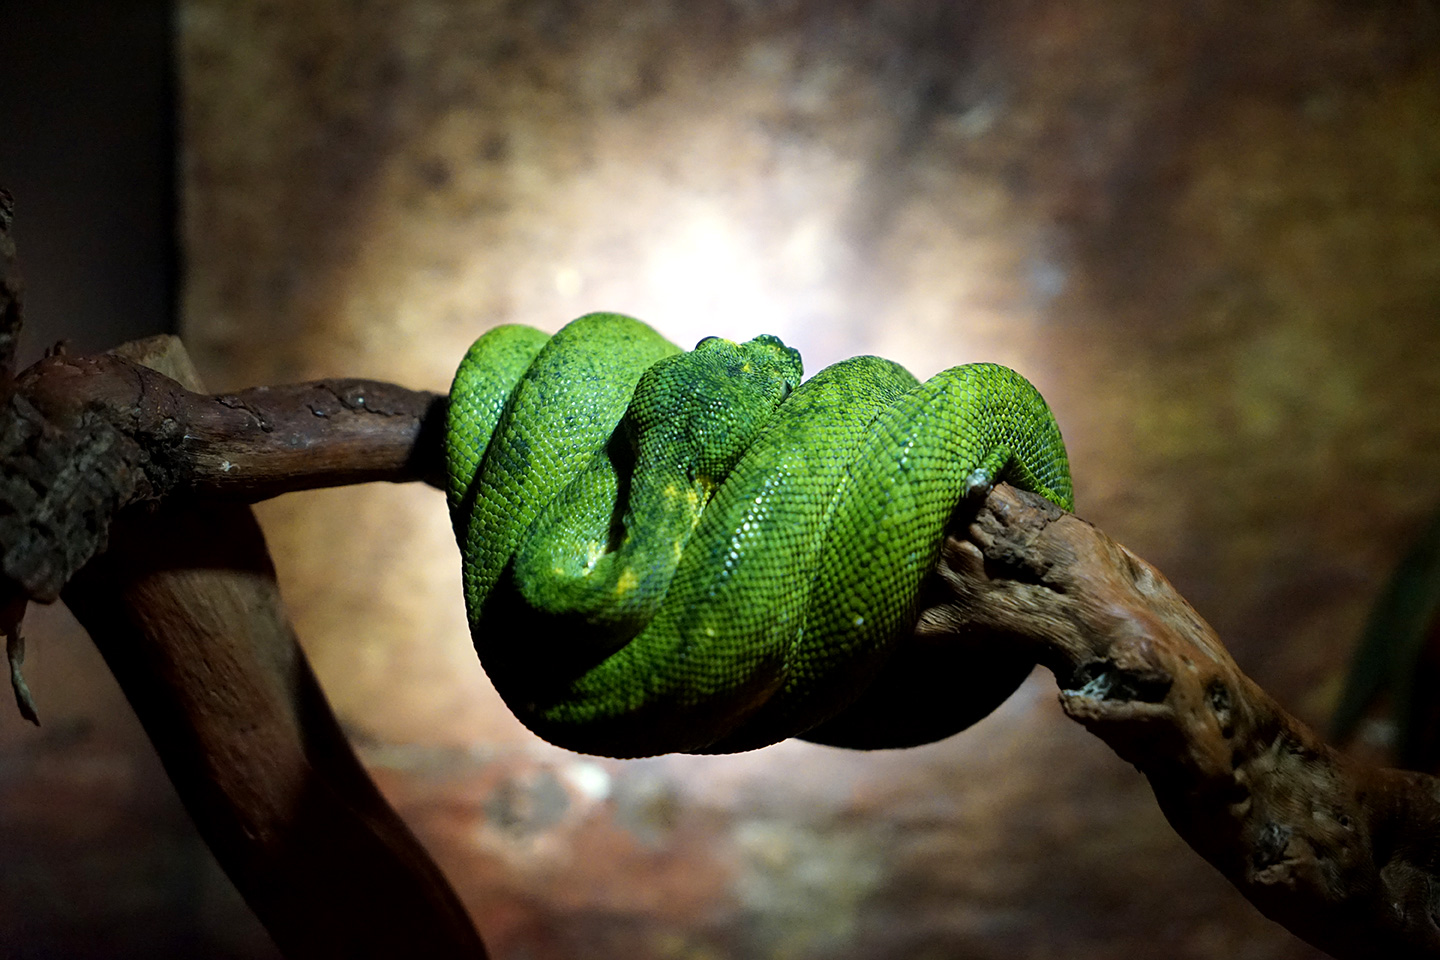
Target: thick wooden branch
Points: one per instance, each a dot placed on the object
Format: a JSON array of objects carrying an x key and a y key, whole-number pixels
[
  {"x": 84, "y": 437},
  {"x": 256, "y": 443},
  {"x": 1345, "y": 855},
  {"x": 186, "y": 611}
]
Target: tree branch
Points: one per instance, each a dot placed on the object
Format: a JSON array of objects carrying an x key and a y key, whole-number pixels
[
  {"x": 84, "y": 437},
  {"x": 1343, "y": 854},
  {"x": 186, "y": 611}
]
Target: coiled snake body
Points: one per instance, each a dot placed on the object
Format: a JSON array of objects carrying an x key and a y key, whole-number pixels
[{"x": 669, "y": 551}]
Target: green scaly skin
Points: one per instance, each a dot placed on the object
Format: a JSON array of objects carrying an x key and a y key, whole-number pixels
[{"x": 695, "y": 552}]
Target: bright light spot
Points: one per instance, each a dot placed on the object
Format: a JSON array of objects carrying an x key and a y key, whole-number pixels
[
  {"x": 706, "y": 276},
  {"x": 590, "y": 780},
  {"x": 568, "y": 282}
]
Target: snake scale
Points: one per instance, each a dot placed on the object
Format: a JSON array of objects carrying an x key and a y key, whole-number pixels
[{"x": 697, "y": 552}]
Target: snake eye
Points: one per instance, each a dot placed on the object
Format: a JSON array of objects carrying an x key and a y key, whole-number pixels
[{"x": 703, "y": 341}]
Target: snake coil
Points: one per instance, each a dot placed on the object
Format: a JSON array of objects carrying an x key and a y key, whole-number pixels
[{"x": 697, "y": 552}]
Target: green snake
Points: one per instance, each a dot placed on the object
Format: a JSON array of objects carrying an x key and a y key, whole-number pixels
[{"x": 697, "y": 552}]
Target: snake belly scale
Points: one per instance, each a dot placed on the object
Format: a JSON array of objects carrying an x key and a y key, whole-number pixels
[{"x": 698, "y": 552}]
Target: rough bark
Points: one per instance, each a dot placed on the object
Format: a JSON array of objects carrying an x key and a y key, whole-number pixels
[
  {"x": 186, "y": 611},
  {"x": 1343, "y": 854},
  {"x": 85, "y": 436}
]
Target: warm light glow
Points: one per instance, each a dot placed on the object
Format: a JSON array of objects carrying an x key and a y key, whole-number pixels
[{"x": 705, "y": 276}]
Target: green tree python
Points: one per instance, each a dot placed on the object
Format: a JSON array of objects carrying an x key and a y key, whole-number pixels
[{"x": 697, "y": 552}]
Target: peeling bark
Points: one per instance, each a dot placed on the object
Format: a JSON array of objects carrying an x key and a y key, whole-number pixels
[
  {"x": 83, "y": 437},
  {"x": 1343, "y": 854},
  {"x": 184, "y": 607}
]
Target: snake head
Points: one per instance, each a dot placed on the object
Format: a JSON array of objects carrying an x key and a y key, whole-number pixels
[
  {"x": 765, "y": 360},
  {"x": 712, "y": 402}
]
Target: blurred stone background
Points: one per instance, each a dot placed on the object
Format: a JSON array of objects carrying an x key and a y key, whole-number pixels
[{"x": 1209, "y": 232}]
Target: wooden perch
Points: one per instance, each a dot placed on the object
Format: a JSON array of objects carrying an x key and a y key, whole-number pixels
[
  {"x": 84, "y": 437},
  {"x": 1342, "y": 854},
  {"x": 186, "y": 611}
]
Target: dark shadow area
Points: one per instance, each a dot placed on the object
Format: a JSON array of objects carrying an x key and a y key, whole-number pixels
[
  {"x": 87, "y": 146},
  {"x": 99, "y": 858}
]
